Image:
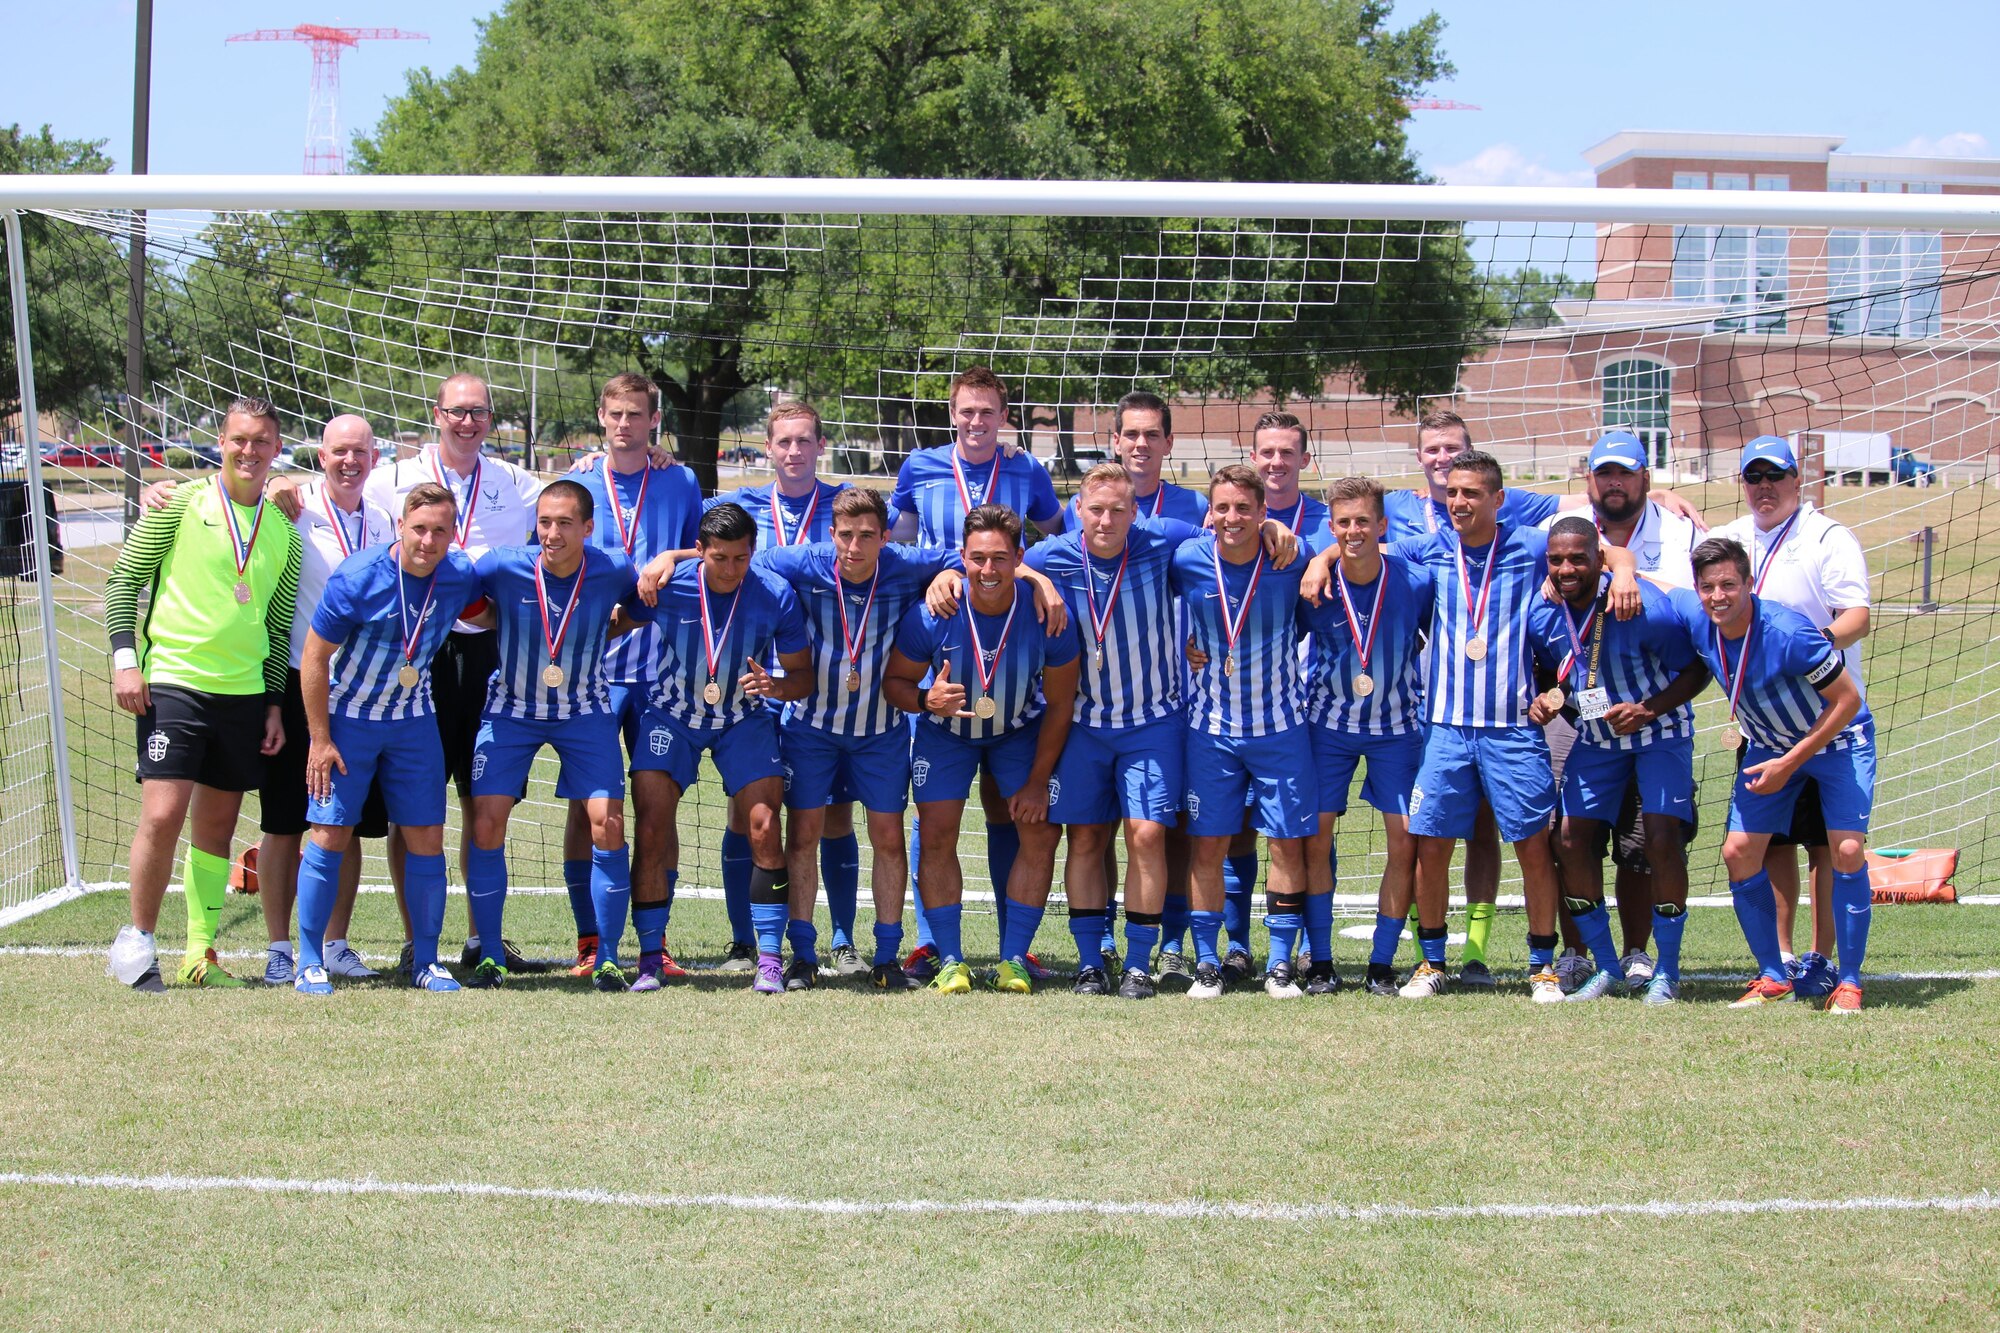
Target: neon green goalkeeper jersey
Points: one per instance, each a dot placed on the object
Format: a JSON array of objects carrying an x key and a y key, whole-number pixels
[{"x": 197, "y": 634}]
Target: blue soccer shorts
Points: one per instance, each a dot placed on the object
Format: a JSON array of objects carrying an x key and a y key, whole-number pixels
[
  {"x": 404, "y": 753},
  {"x": 943, "y": 764},
  {"x": 823, "y": 768},
  {"x": 1109, "y": 773},
  {"x": 1508, "y": 766},
  {"x": 1393, "y": 760},
  {"x": 1595, "y": 779},
  {"x": 744, "y": 751},
  {"x": 1273, "y": 774},
  {"x": 586, "y": 747},
  {"x": 1846, "y": 791}
]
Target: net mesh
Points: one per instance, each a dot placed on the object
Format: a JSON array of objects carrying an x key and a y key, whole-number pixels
[{"x": 1875, "y": 349}]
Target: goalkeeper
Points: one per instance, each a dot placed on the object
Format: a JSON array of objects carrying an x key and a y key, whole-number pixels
[{"x": 205, "y": 677}]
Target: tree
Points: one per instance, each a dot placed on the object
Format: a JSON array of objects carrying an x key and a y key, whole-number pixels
[
  {"x": 76, "y": 286},
  {"x": 1525, "y": 298},
  {"x": 877, "y": 312}
]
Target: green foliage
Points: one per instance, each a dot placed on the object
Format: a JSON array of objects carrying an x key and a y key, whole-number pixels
[
  {"x": 1525, "y": 298},
  {"x": 76, "y": 293},
  {"x": 181, "y": 460}
]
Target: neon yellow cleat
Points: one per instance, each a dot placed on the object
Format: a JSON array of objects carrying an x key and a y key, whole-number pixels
[
  {"x": 1013, "y": 977},
  {"x": 954, "y": 978},
  {"x": 207, "y": 971}
]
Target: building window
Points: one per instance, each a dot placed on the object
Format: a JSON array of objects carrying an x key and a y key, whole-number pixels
[
  {"x": 1742, "y": 268},
  {"x": 1883, "y": 283},
  {"x": 1844, "y": 187},
  {"x": 1690, "y": 180},
  {"x": 1725, "y": 180},
  {"x": 1774, "y": 182},
  {"x": 1638, "y": 397},
  {"x": 1923, "y": 187}
]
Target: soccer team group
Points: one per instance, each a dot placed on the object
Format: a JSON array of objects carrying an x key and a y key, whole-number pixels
[{"x": 1191, "y": 670}]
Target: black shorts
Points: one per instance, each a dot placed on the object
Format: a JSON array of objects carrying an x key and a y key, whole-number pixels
[
  {"x": 213, "y": 739},
  {"x": 282, "y": 801},
  {"x": 460, "y": 674},
  {"x": 1628, "y": 846},
  {"x": 1808, "y": 820}
]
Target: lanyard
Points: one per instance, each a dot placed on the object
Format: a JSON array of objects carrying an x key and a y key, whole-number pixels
[
  {"x": 1232, "y": 626},
  {"x": 979, "y": 649},
  {"x": 1742, "y": 673},
  {"x": 1593, "y": 629},
  {"x": 1100, "y": 623},
  {"x": 1476, "y": 612},
  {"x": 628, "y": 533},
  {"x": 554, "y": 640},
  {"x": 958, "y": 475},
  {"x": 853, "y": 643},
  {"x": 1363, "y": 648},
  {"x": 1771, "y": 557},
  {"x": 403, "y": 609},
  {"x": 464, "y": 525},
  {"x": 347, "y": 547},
  {"x": 803, "y": 532},
  {"x": 711, "y": 642},
  {"x": 241, "y": 547}
]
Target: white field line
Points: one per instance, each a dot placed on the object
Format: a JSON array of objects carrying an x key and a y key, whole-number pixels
[{"x": 1183, "y": 1210}]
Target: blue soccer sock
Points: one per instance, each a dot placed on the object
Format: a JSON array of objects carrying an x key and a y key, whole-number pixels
[
  {"x": 1022, "y": 923},
  {"x": 1086, "y": 927},
  {"x": 1669, "y": 924},
  {"x": 318, "y": 886},
  {"x": 673, "y": 878},
  {"x": 486, "y": 888},
  {"x": 1431, "y": 941},
  {"x": 424, "y": 886},
  {"x": 888, "y": 943},
  {"x": 924, "y": 938},
  {"x": 1206, "y": 926},
  {"x": 803, "y": 935},
  {"x": 840, "y": 873},
  {"x": 611, "y": 898},
  {"x": 1282, "y": 918},
  {"x": 1239, "y": 885},
  {"x": 1319, "y": 926},
  {"x": 650, "y": 920},
  {"x": 1388, "y": 938},
  {"x": 1003, "y": 844},
  {"x": 1593, "y": 924},
  {"x": 582, "y": 906},
  {"x": 736, "y": 869},
  {"x": 1542, "y": 951},
  {"x": 1173, "y": 923},
  {"x": 768, "y": 910},
  {"x": 945, "y": 923},
  {"x": 1757, "y": 913},
  {"x": 1853, "y": 911},
  {"x": 1142, "y": 932},
  {"x": 1109, "y": 942}
]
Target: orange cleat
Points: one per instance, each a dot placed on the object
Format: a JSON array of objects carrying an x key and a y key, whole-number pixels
[
  {"x": 1764, "y": 991},
  {"x": 586, "y": 956},
  {"x": 1846, "y": 999}
]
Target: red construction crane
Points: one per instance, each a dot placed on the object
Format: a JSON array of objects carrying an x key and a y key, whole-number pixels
[{"x": 326, "y": 155}]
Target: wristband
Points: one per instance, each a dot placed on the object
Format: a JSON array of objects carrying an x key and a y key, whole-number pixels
[{"x": 124, "y": 659}]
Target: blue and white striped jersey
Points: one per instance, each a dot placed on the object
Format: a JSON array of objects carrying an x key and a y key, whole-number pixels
[
  {"x": 1307, "y": 517},
  {"x": 1259, "y": 687},
  {"x": 1415, "y": 514},
  {"x": 1496, "y": 690},
  {"x": 670, "y": 499},
  {"x": 578, "y": 617},
  {"x": 872, "y": 612},
  {"x": 1167, "y": 501},
  {"x": 929, "y": 487},
  {"x": 1403, "y": 592},
  {"x": 1136, "y": 678},
  {"x": 799, "y": 520},
  {"x": 759, "y": 618},
  {"x": 366, "y": 609},
  {"x": 1016, "y": 647},
  {"x": 1788, "y": 661},
  {"x": 1636, "y": 659}
]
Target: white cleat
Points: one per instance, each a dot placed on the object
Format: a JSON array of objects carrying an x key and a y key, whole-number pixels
[
  {"x": 1544, "y": 988},
  {"x": 1424, "y": 983}
]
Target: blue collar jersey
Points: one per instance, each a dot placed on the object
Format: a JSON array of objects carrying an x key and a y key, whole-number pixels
[
  {"x": 1258, "y": 687},
  {"x": 575, "y": 611},
  {"x": 758, "y": 619},
  {"x": 1416, "y": 514},
  {"x": 1167, "y": 501},
  {"x": 1788, "y": 660},
  {"x": 1394, "y": 704},
  {"x": 1310, "y": 519},
  {"x": 935, "y": 485},
  {"x": 1636, "y": 659},
  {"x": 1504, "y": 579},
  {"x": 793, "y": 521},
  {"x": 655, "y": 510},
  {"x": 1015, "y": 648},
  {"x": 369, "y": 610}
]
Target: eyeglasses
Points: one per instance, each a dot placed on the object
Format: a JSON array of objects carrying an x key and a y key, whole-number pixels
[
  {"x": 1765, "y": 478},
  {"x": 467, "y": 413}
]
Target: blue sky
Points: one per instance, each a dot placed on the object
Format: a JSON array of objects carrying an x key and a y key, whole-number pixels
[{"x": 1552, "y": 78}]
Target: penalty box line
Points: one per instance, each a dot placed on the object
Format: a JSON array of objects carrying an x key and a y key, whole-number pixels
[{"x": 1183, "y": 1210}]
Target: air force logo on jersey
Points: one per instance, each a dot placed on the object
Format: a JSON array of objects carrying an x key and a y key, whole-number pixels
[
  {"x": 660, "y": 740},
  {"x": 156, "y": 746},
  {"x": 920, "y": 770}
]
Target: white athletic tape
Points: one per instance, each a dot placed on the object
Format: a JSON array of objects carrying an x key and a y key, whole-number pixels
[{"x": 1176, "y": 1210}]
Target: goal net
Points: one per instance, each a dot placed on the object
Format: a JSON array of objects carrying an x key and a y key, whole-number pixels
[{"x": 1866, "y": 329}]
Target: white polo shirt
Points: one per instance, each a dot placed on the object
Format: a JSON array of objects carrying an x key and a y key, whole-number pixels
[
  {"x": 322, "y": 546},
  {"x": 1662, "y": 544},
  {"x": 502, "y": 509},
  {"x": 1818, "y": 572}
]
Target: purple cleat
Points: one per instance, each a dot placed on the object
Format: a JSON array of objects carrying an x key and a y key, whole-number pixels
[
  {"x": 652, "y": 966},
  {"x": 770, "y": 975}
]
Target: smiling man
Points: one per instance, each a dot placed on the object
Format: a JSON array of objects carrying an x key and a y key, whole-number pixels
[
  {"x": 1142, "y": 438},
  {"x": 205, "y": 677}
]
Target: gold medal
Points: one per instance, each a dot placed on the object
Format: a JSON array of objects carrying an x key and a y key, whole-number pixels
[
  {"x": 853, "y": 681},
  {"x": 242, "y": 593},
  {"x": 552, "y": 676},
  {"x": 1475, "y": 647},
  {"x": 986, "y": 707},
  {"x": 406, "y": 676},
  {"x": 1732, "y": 737},
  {"x": 1229, "y": 664},
  {"x": 1364, "y": 685},
  {"x": 1552, "y": 699},
  {"x": 711, "y": 693}
]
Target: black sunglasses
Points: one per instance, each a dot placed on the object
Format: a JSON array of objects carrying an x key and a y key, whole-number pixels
[{"x": 1765, "y": 478}]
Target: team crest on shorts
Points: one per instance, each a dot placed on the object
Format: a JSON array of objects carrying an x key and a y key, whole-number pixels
[
  {"x": 156, "y": 746},
  {"x": 478, "y": 766},
  {"x": 788, "y": 775},
  {"x": 919, "y": 770},
  {"x": 1194, "y": 804},
  {"x": 1416, "y": 800},
  {"x": 1055, "y": 790},
  {"x": 660, "y": 740}
]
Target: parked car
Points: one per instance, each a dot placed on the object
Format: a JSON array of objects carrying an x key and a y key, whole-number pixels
[{"x": 1910, "y": 470}]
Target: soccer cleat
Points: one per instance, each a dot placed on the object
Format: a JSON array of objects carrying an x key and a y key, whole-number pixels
[
  {"x": 1136, "y": 984},
  {"x": 1424, "y": 983},
  {"x": 922, "y": 964},
  {"x": 1382, "y": 982},
  {"x": 1173, "y": 970},
  {"x": 770, "y": 975},
  {"x": 132, "y": 956},
  {"x": 608, "y": 977},
  {"x": 670, "y": 969},
  {"x": 890, "y": 976},
  {"x": 486, "y": 975},
  {"x": 1109, "y": 960},
  {"x": 1477, "y": 976},
  {"x": 406, "y": 962},
  {"x": 279, "y": 968},
  {"x": 434, "y": 978},
  {"x": 1572, "y": 970},
  {"x": 207, "y": 971},
  {"x": 511, "y": 958},
  {"x": 1763, "y": 991},
  {"x": 586, "y": 956},
  {"x": 954, "y": 978},
  {"x": 1321, "y": 979},
  {"x": 1013, "y": 977},
  {"x": 149, "y": 982},
  {"x": 651, "y": 975},
  {"x": 1279, "y": 983},
  {"x": 312, "y": 981},
  {"x": 1236, "y": 966},
  {"x": 1662, "y": 989},
  {"x": 801, "y": 975},
  {"x": 1090, "y": 981},
  {"x": 1544, "y": 988},
  {"x": 1599, "y": 985},
  {"x": 1815, "y": 978},
  {"x": 740, "y": 958},
  {"x": 1639, "y": 968},
  {"x": 1846, "y": 999},
  {"x": 346, "y": 962},
  {"x": 846, "y": 962},
  {"x": 1035, "y": 970},
  {"x": 1207, "y": 984}
]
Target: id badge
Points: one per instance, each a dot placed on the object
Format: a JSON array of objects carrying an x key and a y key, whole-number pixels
[{"x": 1592, "y": 704}]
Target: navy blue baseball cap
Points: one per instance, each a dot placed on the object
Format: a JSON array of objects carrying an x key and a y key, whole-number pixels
[
  {"x": 1773, "y": 449},
  {"x": 1621, "y": 447}
]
